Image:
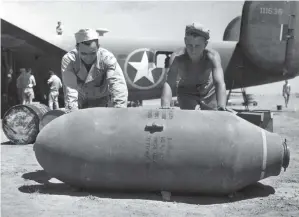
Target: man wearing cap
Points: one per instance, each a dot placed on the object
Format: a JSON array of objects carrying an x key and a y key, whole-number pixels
[
  {"x": 91, "y": 75},
  {"x": 197, "y": 74}
]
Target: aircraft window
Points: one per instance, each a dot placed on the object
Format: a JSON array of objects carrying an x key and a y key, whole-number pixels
[{"x": 162, "y": 59}]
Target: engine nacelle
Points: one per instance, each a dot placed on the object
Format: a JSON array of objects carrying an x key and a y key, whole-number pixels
[{"x": 269, "y": 35}]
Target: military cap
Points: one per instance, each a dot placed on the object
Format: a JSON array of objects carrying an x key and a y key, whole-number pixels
[
  {"x": 86, "y": 35},
  {"x": 198, "y": 29}
]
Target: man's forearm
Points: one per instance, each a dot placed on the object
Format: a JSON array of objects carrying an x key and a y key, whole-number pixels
[
  {"x": 166, "y": 95},
  {"x": 221, "y": 95},
  {"x": 119, "y": 92},
  {"x": 71, "y": 99},
  {"x": 117, "y": 84}
]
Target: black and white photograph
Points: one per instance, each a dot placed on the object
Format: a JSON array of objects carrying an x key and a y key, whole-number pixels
[{"x": 149, "y": 108}]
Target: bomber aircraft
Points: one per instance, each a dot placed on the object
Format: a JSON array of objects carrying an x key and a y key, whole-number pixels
[{"x": 260, "y": 46}]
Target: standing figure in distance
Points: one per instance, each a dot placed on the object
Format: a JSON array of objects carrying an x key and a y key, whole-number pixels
[
  {"x": 286, "y": 91},
  {"x": 55, "y": 84},
  {"x": 59, "y": 28},
  {"x": 25, "y": 84},
  {"x": 20, "y": 85}
]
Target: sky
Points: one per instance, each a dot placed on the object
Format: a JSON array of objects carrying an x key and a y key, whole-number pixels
[{"x": 150, "y": 19}]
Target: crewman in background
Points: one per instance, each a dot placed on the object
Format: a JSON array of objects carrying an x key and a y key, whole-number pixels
[
  {"x": 55, "y": 84},
  {"x": 59, "y": 28},
  {"x": 286, "y": 91},
  {"x": 25, "y": 84}
]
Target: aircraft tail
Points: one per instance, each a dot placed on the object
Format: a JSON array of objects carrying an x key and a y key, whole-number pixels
[{"x": 269, "y": 35}]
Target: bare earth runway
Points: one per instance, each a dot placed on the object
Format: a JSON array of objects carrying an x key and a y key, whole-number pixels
[{"x": 26, "y": 190}]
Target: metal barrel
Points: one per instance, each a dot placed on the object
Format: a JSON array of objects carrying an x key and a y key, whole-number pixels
[
  {"x": 50, "y": 116},
  {"x": 21, "y": 122},
  {"x": 208, "y": 152}
]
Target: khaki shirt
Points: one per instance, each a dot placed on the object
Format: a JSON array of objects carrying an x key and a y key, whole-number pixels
[
  {"x": 55, "y": 83},
  {"x": 104, "y": 78}
]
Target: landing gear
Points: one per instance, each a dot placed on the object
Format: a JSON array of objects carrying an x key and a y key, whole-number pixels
[{"x": 245, "y": 96}]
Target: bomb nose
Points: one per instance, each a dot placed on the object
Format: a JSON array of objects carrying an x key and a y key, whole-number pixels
[{"x": 286, "y": 156}]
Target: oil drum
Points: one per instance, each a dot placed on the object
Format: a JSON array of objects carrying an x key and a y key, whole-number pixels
[
  {"x": 21, "y": 122},
  {"x": 49, "y": 116}
]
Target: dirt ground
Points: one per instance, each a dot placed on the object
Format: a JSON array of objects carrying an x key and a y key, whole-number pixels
[{"x": 27, "y": 191}]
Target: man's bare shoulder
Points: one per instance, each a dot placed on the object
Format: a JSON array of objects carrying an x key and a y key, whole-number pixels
[{"x": 214, "y": 56}]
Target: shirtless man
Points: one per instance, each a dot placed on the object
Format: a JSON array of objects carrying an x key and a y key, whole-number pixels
[
  {"x": 197, "y": 73},
  {"x": 286, "y": 91}
]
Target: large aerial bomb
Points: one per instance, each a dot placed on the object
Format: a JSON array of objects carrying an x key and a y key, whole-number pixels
[{"x": 208, "y": 152}]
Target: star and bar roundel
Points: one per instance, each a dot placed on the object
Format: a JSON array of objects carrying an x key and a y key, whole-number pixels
[{"x": 140, "y": 69}]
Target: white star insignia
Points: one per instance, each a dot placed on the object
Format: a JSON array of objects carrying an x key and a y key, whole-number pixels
[{"x": 144, "y": 68}]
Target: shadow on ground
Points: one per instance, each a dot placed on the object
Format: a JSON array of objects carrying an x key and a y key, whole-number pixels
[
  {"x": 13, "y": 144},
  {"x": 7, "y": 143},
  {"x": 256, "y": 190}
]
